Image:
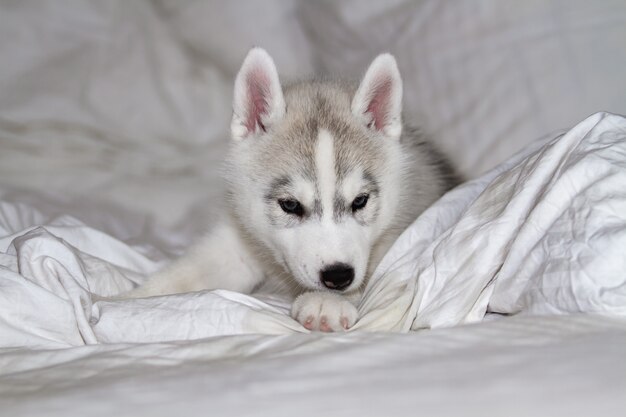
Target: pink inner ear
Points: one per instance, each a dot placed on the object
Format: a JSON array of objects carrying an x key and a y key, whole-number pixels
[
  {"x": 257, "y": 88},
  {"x": 379, "y": 102}
]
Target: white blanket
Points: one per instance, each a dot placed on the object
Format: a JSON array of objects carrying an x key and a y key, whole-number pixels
[{"x": 543, "y": 233}]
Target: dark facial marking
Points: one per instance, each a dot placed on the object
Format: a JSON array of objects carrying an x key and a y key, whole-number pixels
[
  {"x": 342, "y": 208},
  {"x": 339, "y": 207},
  {"x": 277, "y": 188},
  {"x": 371, "y": 186},
  {"x": 317, "y": 206}
]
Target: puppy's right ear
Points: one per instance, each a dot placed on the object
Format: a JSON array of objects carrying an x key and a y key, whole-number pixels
[{"x": 258, "y": 101}]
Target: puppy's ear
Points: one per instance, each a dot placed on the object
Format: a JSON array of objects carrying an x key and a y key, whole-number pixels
[
  {"x": 378, "y": 100},
  {"x": 258, "y": 101}
]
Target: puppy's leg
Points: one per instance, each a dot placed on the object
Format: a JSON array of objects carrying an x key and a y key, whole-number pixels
[
  {"x": 221, "y": 260},
  {"x": 325, "y": 311}
]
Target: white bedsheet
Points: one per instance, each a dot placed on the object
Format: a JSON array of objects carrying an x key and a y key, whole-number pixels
[{"x": 522, "y": 366}]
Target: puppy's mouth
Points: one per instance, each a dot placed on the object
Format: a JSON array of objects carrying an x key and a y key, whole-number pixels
[{"x": 300, "y": 277}]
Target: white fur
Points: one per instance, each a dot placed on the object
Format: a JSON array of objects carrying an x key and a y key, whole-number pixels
[
  {"x": 326, "y": 177},
  {"x": 313, "y": 246},
  {"x": 220, "y": 260},
  {"x": 352, "y": 184}
]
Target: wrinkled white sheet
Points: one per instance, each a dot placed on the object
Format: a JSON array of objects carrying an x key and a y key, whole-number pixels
[{"x": 543, "y": 233}]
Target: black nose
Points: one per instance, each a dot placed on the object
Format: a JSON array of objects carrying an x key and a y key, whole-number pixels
[{"x": 337, "y": 276}]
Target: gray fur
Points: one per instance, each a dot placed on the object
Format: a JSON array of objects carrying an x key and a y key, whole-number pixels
[{"x": 290, "y": 150}]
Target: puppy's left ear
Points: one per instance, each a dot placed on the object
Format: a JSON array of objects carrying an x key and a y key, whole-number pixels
[{"x": 378, "y": 100}]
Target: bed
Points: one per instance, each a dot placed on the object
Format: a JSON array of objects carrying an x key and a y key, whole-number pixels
[{"x": 507, "y": 297}]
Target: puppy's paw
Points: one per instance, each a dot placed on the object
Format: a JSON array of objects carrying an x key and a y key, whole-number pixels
[{"x": 324, "y": 311}]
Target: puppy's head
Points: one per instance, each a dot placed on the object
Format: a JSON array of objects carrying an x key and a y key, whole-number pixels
[{"x": 314, "y": 168}]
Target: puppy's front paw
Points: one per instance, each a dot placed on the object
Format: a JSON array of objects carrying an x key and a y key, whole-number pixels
[{"x": 324, "y": 311}]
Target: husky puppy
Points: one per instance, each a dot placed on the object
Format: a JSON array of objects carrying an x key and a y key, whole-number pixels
[{"x": 322, "y": 178}]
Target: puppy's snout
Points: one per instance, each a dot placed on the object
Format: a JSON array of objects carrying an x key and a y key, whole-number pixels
[{"x": 337, "y": 276}]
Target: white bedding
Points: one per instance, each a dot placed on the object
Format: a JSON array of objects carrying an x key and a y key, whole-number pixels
[
  {"x": 113, "y": 120},
  {"x": 544, "y": 234},
  {"x": 522, "y": 366}
]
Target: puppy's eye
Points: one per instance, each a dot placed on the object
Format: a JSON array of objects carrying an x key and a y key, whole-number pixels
[
  {"x": 291, "y": 207},
  {"x": 359, "y": 202}
]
